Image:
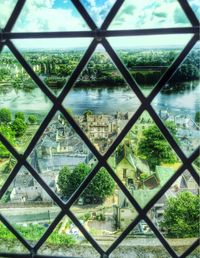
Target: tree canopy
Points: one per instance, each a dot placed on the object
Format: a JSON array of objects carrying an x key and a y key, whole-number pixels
[
  {"x": 181, "y": 215},
  {"x": 32, "y": 119},
  {"x": 20, "y": 115},
  {"x": 9, "y": 135},
  {"x": 197, "y": 117},
  {"x": 155, "y": 148},
  {"x": 19, "y": 127},
  {"x": 5, "y": 116},
  {"x": 99, "y": 188}
]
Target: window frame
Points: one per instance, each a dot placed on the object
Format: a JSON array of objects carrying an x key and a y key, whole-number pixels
[{"x": 99, "y": 36}]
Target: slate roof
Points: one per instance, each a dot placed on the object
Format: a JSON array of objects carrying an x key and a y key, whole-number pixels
[
  {"x": 126, "y": 153},
  {"x": 23, "y": 179},
  {"x": 60, "y": 161}
]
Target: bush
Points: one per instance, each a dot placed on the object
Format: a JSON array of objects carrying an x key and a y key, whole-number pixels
[
  {"x": 181, "y": 216},
  {"x": 10, "y": 136},
  {"x": 5, "y": 116},
  {"x": 86, "y": 217},
  {"x": 19, "y": 127},
  {"x": 32, "y": 119},
  {"x": 20, "y": 115}
]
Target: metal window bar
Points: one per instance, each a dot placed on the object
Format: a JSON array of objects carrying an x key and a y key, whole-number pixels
[{"x": 99, "y": 36}]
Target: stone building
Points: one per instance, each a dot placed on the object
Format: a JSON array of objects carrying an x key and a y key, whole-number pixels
[{"x": 26, "y": 189}]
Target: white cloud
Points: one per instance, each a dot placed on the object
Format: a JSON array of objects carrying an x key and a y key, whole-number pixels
[
  {"x": 98, "y": 11},
  {"x": 149, "y": 14},
  {"x": 6, "y": 8},
  {"x": 39, "y": 15}
]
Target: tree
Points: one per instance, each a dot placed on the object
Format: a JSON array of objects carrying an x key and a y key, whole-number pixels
[
  {"x": 197, "y": 117},
  {"x": 171, "y": 127},
  {"x": 64, "y": 181},
  {"x": 88, "y": 113},
  {"x": 5, "y": 116},
  {"x": 155, "y": 148},
  {"x": 19, "y": 127},
  {"x": 20, "y": 115},
  {"x": 99, "y": 188},
  {"x": 181, "y": 215},
  {"x": 32, "y": 119},
  {"x": 9, "y": 135}
]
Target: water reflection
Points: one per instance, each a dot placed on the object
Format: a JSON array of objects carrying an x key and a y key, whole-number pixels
[
  {"x": 28, "y": 101},
  {"x": 182, "y": 101},
  {"x": 102, "y": 100}
]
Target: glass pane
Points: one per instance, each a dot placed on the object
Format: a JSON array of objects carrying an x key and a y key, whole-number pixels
[
  {"x": 176, "y": 213},
  {"x": 6, "y": 8},
  {"x": 149, "y": 14},
  {"x": 23, "y": 106},
  {"x": 9, "y": 243},
  {"x": 103, "y": 209},
  {"x": 196, "y": 165},
  {"x": 195, "y": 253},
  {"x": 58, "y": 15},
  {"x": 67, "y": 240},
  {"x": 196, "y": 7},
  {"x": 144, "y": 160},
  {"x": 7, "y": 163},
  {"x": 179, "y": 102},
  {"x": 141, "y": 242},
  {"x": 98, "y": 9},
  {"x": 53, "y": 60},
  {"x": 58, "y": 155},
  {"x": 148, "y": 57},
  {"x": 28, "y": 207},
  {"x": 101, "y": 101}
]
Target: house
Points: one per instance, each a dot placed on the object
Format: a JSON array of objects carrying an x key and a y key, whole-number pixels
[
  {"x": 60, "y": 138},
  {"x": 57, "y": 162},
  {"x": 26, "y": 189},
  {"x": 128, "y": 167},
  {"x": 102, "y": 129}
]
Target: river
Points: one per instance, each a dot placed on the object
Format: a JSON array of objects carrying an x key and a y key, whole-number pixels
[{"x": 101, "y": 100}]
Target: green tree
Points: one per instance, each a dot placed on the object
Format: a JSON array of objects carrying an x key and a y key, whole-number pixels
[
  {"x": 64, "y": 183},
  {"x": 19, "y": 127},
  {"x": 171, "y": 127},
  {"x": 4, "y": 73},
  {"x": 88, "y": 113},
  {"x": 5, "y": 116},
  {"x": 197, "y": 117},
  {"x": 32, "y": 119},
  {"x": 155, "y": 148},
  {"x": 99, "y": 188},
  {"x": 181, "y": 215},
  {"x": 10, "y": 136},
  {"x": 20, "y": 115}
]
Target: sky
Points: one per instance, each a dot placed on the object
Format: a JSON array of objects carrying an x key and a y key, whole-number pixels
[
  {"x": 150, "y": 14},
  {"x": 61, "y": 15}
]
